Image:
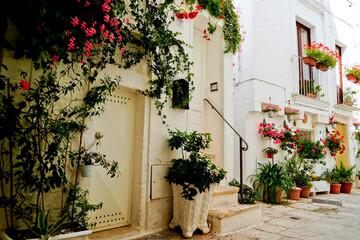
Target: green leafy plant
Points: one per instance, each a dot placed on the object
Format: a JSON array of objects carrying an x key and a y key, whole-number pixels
[
  {"x": 43, "y": 229},
  {"x": 249, "y": 194},
  {"x": 314, "y": 151},
  {"x": 350, "y": 95},
  {"x": 345, "y": 174},
  {"x": 322, "y": 54},
  {"x": 312, "y": 89},
  {"x": 332, "y": 176},
  {"x": 270, "y": 150},
  {"x": 270, "y": 179},
  {"x": 298, "y": 170},
  {"x": 196, "y": 171}
]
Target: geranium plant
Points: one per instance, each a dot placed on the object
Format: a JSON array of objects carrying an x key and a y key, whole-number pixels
[
  {"x": 356, "y": 124},
  {"x": 322, "y": 54},
  {"x": 354, "y": 71},
  {"x": 350, "y": 96},
  {"x": 268, "y": 130},
  {"x": 314, "y": 151},
  {"x": 335, "y": 143},
  {"x": 271, "y": 108},
  {"x": 333, "y": 122},
  {"x": 290, "y": 111}
]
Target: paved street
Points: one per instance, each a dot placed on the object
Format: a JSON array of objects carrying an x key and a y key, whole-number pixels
[{"x": 297, "y": 220}]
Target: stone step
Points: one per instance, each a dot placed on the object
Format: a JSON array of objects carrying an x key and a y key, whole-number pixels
[
  {"x": 225, "y": 220},
  {"x": 224, "y": 196},
  {"x": 115, "y": 233}
]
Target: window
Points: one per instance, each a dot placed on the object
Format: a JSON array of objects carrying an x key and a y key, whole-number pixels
[
  {"x": 339, "y": 81},
  {"x": 305, "y": 72}
]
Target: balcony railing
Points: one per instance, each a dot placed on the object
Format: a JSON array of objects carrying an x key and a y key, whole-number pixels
[{"x": 312, "y": 81}]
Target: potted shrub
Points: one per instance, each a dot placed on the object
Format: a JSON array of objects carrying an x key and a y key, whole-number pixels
[
  {"x": 290, "y": 113},
  {"x": 345, "y": 176},
  {"x": 292, "y": 167},
  {"x": 270, "y": 182},
  {"x": 350, "y": 96},
  {"x": 356, "y": 125},
  {"x": 193, "y": 180},
  {"x": 249, "y": 194},
  {"x": 353, "y": 73},
  {"x": 271, "y": 110},
  {"x": 270, "y": 152},
  {"x": 268, "y": 130},
  {"x": 332, "y": 177},
  {"x": 303, "y": 180}
]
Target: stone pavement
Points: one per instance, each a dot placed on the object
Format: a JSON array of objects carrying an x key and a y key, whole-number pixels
[{"x": 296, "y": 220}]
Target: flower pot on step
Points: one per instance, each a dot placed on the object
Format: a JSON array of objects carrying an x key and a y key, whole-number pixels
[
  {"x": 295, "y": 193},
  {"x": 87, "y": 170},
  {"x": 270, "y": 155},
  {"x": 271, "y": 114},
  {"x": 309, "y": 61},
  {"x": 190, "y": 215},
  {"x": 305, "y": 192},
  {"x": 335, "y": 188},
  {"x": 346, "y": 187},
  {"x": 351, "y": 78}
]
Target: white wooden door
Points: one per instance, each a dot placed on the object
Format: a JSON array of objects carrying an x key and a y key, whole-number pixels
[
  {"x": 117, "y": 124},
  {"x": 196, "y": 112}
]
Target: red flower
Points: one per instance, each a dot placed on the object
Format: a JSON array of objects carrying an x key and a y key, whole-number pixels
[
  {"x": 295, "y": 138},
  {"x": 180, "y": 15},
  {"x": 221, "y": 17},
  {"x": 24, "y": 85},
  {"x": 192, "y": 15}
]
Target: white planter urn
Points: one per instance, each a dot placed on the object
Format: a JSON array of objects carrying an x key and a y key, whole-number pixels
[
  {"x": 87, "y": 170},
  {"x": 191, "y": 215},
  {"x": 271, "y": 114}
]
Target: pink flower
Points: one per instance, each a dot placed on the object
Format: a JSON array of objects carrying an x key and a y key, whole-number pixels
[
  {"x": 120, "y": 38},
  {"x": 261, "y": 124},
  {"x": 127, "y": 21},
  {"x": 106, "y": 8},
  {"x": 111, "y": 37},
  {"x": 83, "y": 25},
  {"x": 87, "y": 3},
  {"x": 90, "y": 31},
  {"x": 74, "y": 21},
  {"x": 106, "y": 18},
  {"x": 122, "y": 50},
  {"x": 102, "y": 28},
  {"x": 88, "y": 46},
  {"x": 313, "y": 150},
  {"x": 106, "y": 34},
  {"x": 71, "y": 45}
]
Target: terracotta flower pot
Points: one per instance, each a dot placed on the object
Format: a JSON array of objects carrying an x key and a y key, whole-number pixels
[
  {"x": 335, "y": 188},
  {"x": 277, "y": 195},
  {"x": 305, "y": 192},
  {"x": 295, "y": 194},
  {"x": 351, "y": 78},
  {"x": 309, "y": 61},
  {"x": 270, "y": 155},
  {"x": 346, "y": 187},
  {"x": 349, "y": 103},
  {"x": 311, "y": 95}
]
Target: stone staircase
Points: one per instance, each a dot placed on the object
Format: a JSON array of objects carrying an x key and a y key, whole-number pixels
[{"x": 226, "y": 215}]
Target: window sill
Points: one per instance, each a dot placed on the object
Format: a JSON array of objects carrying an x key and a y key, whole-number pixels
[{"x": 345, "y": 110}]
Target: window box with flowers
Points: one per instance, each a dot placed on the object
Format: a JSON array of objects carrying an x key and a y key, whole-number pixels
[
  {"x": 353, "y": 73},
  {"x": 350, "y": 97},
  {"x": 314, "y": 151},
  {"x": 289, "y": 112},
  {"x": 271, "y": 110},
  {"x": 270, "y": 152},
  {"x": 325, "y": 57},
  {"x": 335, "y": 143}
]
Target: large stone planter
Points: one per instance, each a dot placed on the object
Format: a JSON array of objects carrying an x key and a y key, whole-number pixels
[
  {"x": 190, "y": 215},
  {"x": 82, "y": 235},
  {"x": 320, "y": 186}
]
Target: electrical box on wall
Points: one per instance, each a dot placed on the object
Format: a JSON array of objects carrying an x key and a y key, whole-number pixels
[{"x": 159, "y": 186}]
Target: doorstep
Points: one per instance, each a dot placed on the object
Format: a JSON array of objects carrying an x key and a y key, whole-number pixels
[{"x": 115, "y": 233}]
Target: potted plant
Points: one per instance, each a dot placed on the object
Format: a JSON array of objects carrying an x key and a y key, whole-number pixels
[
  {"x": 350, "y": 96},
  {"x": 249, "y": 194},
  {"x": 335, "y": 143},
  {"x": 193, "y": 180},
  {"x": 313, "y": 151},
  {"x": 290, "y": 113},
  {"x": 292, "y": 167},
  {"x": 325, "y": 57},
  {"x": 356, "y": 125},
  {"x": 271, "y": 110},
  {"x": 312, "y": 90},
  {"x": 270, "y": 152},
  {"x": 268, "y": 130},
  {"x": 303, "y": 180},
  {"x": 332, "y": 177},
  {"x": 353, "y": 73},
  {"x": 345, "y": 176},
  {"x": 270, "y": 182},
  {"x": 333, "y": 123}
]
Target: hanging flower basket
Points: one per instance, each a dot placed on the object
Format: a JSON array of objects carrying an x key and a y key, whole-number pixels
[
  {"x": 356, "y": 125},
  {"x": 351, "y": 78},
  {"x": 309, "y": 61},
  {"x": 271, "y": 110},
  {"x": 321, "y": 67}
]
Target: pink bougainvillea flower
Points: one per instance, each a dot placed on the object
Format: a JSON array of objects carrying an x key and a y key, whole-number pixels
[
  {"x": 24, "y": 85},
  {"x": 106, "y": 18},
  {"x": 74, "y": 21},
  {"x": 106, "y": 8}
]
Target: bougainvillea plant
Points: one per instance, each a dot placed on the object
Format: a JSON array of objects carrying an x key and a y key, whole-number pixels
[
  {"x": 335, "y": 143},
  {"x": 271, "y": 108}
]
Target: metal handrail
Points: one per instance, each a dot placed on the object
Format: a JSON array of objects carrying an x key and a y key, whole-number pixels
[{"x": 242, "y": 148}]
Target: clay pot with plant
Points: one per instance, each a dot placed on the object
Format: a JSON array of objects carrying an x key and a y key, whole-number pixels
[
  {"x": 303, "y": 180},
  {"x": 332, "y": 177},
  {"x": 313, "y": 91},
  {"x": 270, "y": 152},
  {"x": 292, "y": 167},
  {"x": 350, "y": 97},
  {"x": 270, "y": 181},
  {"x": 345, "y": 176}
]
